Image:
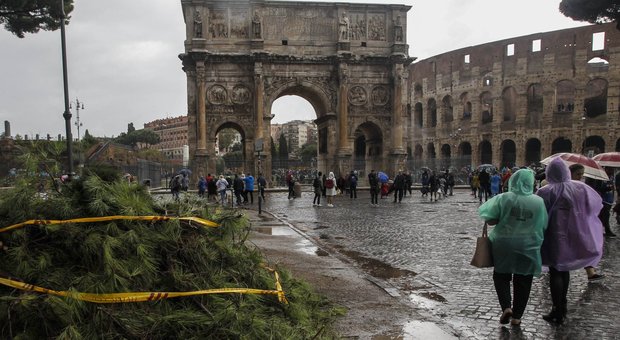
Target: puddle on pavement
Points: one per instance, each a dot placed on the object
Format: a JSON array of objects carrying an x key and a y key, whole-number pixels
[
  {"x": 377, "y": 268},
  {"x": 307, "y": 247},
  {"x": 425, "y": 330},
  {"x": 321, "y": 227},
  {"x": 427, "y": 300},
  {"x": 275, "y": 231}
]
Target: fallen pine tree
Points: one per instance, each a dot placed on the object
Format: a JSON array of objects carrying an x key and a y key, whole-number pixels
[{"x": 178, "y": 279}]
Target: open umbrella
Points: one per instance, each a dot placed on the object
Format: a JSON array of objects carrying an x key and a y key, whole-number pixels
[
  {"x": 383, "y": 177},
  {"x": 610, "y": 159},
  {"x": 185, "y": 172},
  {"x": 591, "y": 167},
  {"x": 487, "y": 167}
]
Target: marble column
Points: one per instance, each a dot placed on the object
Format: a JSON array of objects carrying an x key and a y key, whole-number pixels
[
  {"x": 343, "y": 110},
  {"x": 201, "y": 109}
]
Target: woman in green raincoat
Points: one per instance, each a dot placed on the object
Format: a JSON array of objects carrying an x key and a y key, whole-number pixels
[{"x": 520, "y": 220}]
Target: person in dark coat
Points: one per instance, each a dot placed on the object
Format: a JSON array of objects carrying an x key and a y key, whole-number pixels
[
  {"x": 485, "y": 184},
  {"x": 375, "y": 187},
  {"x": 238, "y": 188},
  {"x": 399, "y": 186}
]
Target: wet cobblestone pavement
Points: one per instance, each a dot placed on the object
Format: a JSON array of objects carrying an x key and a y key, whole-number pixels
[{"x": 429, "y": 245}]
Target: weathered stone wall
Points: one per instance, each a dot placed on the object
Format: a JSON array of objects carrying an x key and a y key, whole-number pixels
[{"x": 532, "y": 97}]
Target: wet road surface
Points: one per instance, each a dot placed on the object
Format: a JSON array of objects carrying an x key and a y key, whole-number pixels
[{"x": 424, "y": 249}]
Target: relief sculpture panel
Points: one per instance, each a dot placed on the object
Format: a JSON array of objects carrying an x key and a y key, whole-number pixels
[
  {"x": 217, "y": 95},
  {"x": 239, "y": 24},
  {"x": 309, "y": 24},
  {"x": 240, "y": 95},
  {"x": 357, "y": 96},
  {"x": 376, "y": 27},
  {"x": 380, "y": 95},
  {"x": 358, "y": 26},
  {"x": 218, "y": 27}
]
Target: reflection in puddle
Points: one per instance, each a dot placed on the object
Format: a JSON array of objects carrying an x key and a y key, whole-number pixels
[
  {"x": 425, "y": 330},
  {"x": 424, "y": 302},
  {"x": 306, "y": 247},
  {"x": 377, "y": 268},
  {"x": 275, "y": 231}
]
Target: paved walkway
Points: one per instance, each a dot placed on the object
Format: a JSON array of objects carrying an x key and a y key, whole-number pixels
[{"x": 423, "y": 248}]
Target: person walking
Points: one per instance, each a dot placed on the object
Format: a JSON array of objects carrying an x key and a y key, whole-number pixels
[
  {"x": 238, "y": 189},
  {"x": 211, "y": 188},
  {"x": 175, "y": 186},
  {"x": 202, "y": 186},
  {"x": 317, "y": 185},
  {"x": 249, "y": 187},
  {"x": 222, "y": 184},
  {"x": 352, "y": 185},
  {"x": 574, "y": 238},
  {"x": 496, "y": 184},
  {"x": 262, "y": 184},
  {"x": 606, "y": 190},
  {"x": 520, "y": 220},
  {"x": 330, "y": 189},
  {"x": 576, "y": 174},
  {"x": 399, "y": 186},
  {"x": 425, "y": 183},
  {"x": 433, "y": 185},
  {"x": 450, "y": 182},
  {"x": 375, "y": 187},
  {"x": 485, "y": 184}
]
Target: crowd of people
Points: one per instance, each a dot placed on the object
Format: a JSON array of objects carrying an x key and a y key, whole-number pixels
[{"x": 553, "y": 217}]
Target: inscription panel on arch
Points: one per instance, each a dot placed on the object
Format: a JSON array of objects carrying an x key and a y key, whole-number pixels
[{"x": 295, "y": 24}]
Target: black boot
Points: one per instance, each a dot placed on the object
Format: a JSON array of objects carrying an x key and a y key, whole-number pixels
[{"x": 556, "y": 315}]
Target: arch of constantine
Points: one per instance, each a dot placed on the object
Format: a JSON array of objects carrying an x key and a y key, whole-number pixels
[{"x": 348, "y": 60}]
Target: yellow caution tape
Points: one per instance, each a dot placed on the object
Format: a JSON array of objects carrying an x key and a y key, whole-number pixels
[
  {"x": 198, "y": 220},
  {"x": 141, "y": 296}
]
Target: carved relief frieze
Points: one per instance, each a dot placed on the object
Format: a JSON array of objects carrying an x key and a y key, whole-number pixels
[
  {"x": 380, "y": 95},
  {"x": 295, "y": 23},
  {"x": 376, "y": 27},
  {"x": 357, "y": 96},
  {"x": 240, "y": 94},
  {"x": 218, "y": 26},
  {"x": 239, "y": 24},
  {"x": 358, "y": 26},
  {"x": 217, "y": 95}
]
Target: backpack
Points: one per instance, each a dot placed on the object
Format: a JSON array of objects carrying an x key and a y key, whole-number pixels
[
  {"x": 329, "y": 184},
  {"x": 353, "y": 180}
]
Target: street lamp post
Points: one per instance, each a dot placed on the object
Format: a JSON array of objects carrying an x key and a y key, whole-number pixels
[
  {"x": 67, "y": 113},
  {"x": 78, "y": 105}
]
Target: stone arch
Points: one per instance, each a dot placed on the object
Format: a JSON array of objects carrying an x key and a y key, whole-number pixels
[
  {"x": 486, "y": 107},
  {"x": 593, "y": 145},
  {"x": 431, "y": 156},
  {"x": 448, "y": 110},
  {"x": 486, "y": 152},
  {"x": 467, "y": 107},
  {"x": 233, "y": 75},
  {"x": 418, "y": 113},
  {"x": 509, "y": 153},
  {"x": 509, "y": 101},
  {"x": 535, "y": 100},
  {"x": 418, "y": 153},
  {"x": 595, "y": 101},
  {"x": 431, "y": 112},
  {"x": 464, "y": 153},
  {"x": 561, "y": 144},
  {"x": 532, "y": 151},
  {"x": 240, "y": 165},
  {"x": 446, "y": 156},
  {"x": 368, "y": 148},
  {"x": 564, "y": 96}
]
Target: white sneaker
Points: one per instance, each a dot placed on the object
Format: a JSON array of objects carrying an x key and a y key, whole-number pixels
[
  {"x": 318, "y": 205},
  {"x": 314, "y": 204},
  {"x": 330, "y": 205}
]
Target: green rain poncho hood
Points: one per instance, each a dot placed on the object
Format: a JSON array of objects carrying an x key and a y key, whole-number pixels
[{"x": 518, "y": 235}]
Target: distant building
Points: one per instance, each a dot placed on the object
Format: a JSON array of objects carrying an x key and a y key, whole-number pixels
[
  {"x": 172, "y": 134},
  {"x": 297, "y": 133}
]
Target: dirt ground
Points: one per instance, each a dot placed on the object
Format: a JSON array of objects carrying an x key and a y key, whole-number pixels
[{"x": 376, "y": 310}]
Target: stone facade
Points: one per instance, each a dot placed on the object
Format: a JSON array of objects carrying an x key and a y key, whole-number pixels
[
  {"x": 516, "y": 101},
  {"x": 348, "y": 60}
]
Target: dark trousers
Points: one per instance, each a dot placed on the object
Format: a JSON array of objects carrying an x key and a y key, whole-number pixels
[
  {"x": 353, "y": 192},
  {"x": 604, "y": 217},
  {"x": 249, "y": 193},
  {"x": 484, "y": 190},
  {"x": 317, "y": 197},
  {"x": 398, "y": 193},
  {"x": 238, "y": 194},
  {"x": 558, "y": 285},
  {"x": 374, "y": 196},
  {"x": 522, "y": 284},
  {"x": 261, "y": 192}
]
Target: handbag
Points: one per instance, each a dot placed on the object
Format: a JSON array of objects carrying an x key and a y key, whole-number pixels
[{"x": 483, "y": 257}]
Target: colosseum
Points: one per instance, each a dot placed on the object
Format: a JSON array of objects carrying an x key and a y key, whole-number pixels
[{"x": 516, "y": 101}]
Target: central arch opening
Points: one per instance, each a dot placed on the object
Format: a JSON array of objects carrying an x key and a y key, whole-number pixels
[{"x": 294, "y": 138}]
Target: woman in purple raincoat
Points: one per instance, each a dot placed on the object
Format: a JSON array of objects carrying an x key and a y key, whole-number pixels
[{"x": 574, "y": 237}]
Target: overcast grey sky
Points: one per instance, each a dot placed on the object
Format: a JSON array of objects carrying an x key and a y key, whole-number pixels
[{"x": 123, "y": 64}]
